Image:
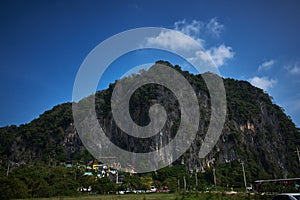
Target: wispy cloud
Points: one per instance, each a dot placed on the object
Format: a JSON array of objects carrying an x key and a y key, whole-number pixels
[
  {"x": 266, "y": 65},
  {"x": 264, "y": 82},
  {"x": 214, "y": 27},
  {"x": 294, "y": 68},
  {"x": 218, "y": 55},
  {"x": 192, "y": 29},
  {"x": 196, "y": 27}
]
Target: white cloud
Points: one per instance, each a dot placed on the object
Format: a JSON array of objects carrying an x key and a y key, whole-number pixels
[
  {"x": 186, "y": 40},
  {"x": 214, "y": 27},
  {"x": 192, "y": 29},
  {"x": 266, "y": 65},
  {"x": 294, "y": 68},
  {"x": 173, "y": 40},
  {"x": 220, "y": 54},
  {"x": 214, "y": 57},
  {"x": 264, "y": 82},
  {"x": 196, "y": 27}
]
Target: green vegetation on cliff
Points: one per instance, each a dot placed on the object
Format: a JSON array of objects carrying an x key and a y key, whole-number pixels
[{"x": 256, "y": 132}]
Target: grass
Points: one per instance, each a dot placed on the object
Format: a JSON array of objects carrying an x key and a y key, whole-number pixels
[
  {"x": 116, "y": 197},
  {"x": 164, "y": 196}
]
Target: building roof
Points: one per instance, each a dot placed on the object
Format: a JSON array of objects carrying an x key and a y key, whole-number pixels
[{"x": 277, "y": 180}]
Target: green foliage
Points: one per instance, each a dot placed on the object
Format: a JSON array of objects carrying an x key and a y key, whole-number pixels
[
  {"x": 104, "y": 186},
  {"x": 132, "y": 182},
  {"x": 177, "y": 171},
  {"x": 7, "y": 136},
  {"x": 11, "y": 187},
  {"x": 38, "y": 181},
  {"x": 171, "y": 183}
]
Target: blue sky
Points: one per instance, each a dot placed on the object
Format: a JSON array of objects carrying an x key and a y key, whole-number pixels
[{"x": 43, "y": 43}]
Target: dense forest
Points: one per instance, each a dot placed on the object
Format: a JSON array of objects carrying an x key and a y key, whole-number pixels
[{"x": 256, "y": 132}]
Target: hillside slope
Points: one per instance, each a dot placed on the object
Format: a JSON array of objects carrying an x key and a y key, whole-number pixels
[{"x": 256, "y": 132}]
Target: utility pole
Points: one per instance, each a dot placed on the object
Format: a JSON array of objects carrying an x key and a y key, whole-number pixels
[
  {"x": 215, "y": 179},
  {"x": 298, "y": 153},
  {"x": 184, "y": 183},
  {"x": 196, "y": 179},
  {"x": 244, "y": 176},
  {"x": 8, "y": 168},
  {"x": 117, "y": 177}
]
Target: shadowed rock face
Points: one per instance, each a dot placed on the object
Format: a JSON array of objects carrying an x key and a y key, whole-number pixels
[{"x": 256, "y": 131}]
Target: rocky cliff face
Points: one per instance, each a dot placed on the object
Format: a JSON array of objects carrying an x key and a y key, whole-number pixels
[{"x": 256, "y": 131}]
